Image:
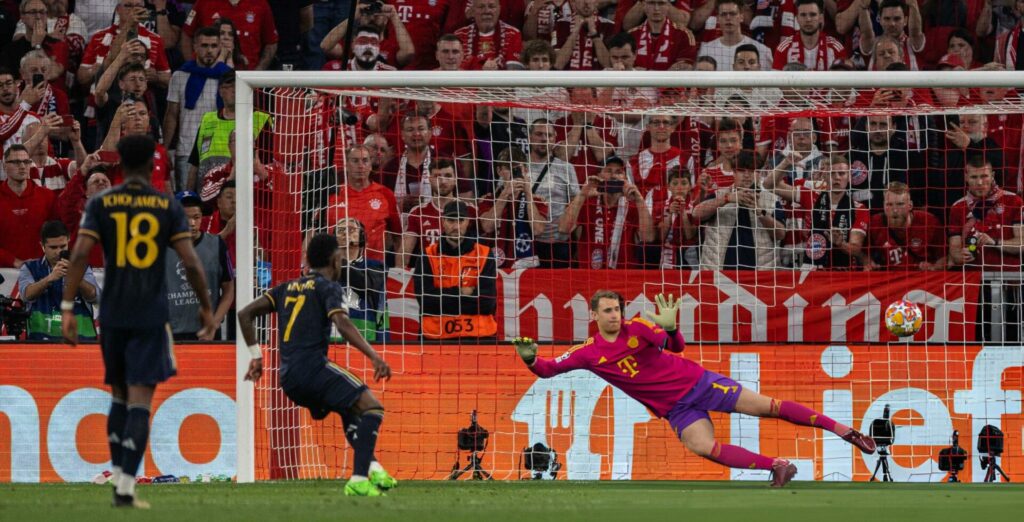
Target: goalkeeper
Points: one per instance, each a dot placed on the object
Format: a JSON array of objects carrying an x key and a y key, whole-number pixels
[{"x": 630, "y": 355}]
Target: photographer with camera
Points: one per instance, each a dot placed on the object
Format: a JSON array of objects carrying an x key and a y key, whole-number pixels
[
  {"x": 41, "y": 285},
  {"x": 609, "y": 220}
]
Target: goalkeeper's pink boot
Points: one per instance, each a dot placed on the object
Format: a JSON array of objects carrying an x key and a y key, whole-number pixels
[
  {"x": 865, "y": 443},
  {"x": 782, "y": 472}
]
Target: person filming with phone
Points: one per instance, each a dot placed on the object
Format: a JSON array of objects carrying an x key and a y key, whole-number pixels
[
  {"x": 41, "y": 286},
  {"x": 609, "y": 220}
]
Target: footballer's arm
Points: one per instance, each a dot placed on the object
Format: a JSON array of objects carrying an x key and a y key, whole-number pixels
[{"x": 246, "y": 317}]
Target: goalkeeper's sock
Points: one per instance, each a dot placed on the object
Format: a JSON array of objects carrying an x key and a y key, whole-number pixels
[
  {"x": 133, "y": 446},
  {"x": 351, "y": 424},
  {"x": 737, "y": 457},
  {"x": 115, "y": 428},
  {"x": 799, "y": 414},
  {"x": 366, "y": 440}
]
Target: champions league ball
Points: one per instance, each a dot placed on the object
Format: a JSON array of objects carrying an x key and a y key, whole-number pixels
[{"x": 903, "y": 318}]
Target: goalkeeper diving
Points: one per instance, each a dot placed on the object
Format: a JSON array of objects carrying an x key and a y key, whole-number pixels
[{"x": 631, "y": 355}]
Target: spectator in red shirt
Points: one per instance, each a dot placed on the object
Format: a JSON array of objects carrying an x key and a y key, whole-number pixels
[
  {"x": 395, "y": 44},
  {"x": 673, "y": 211},
  {"x": 631, "y": 13},
  {"x": 253, "y": 19},
  {"x": 986, "y": 227},
  {"x": 902, "y": 237},
  {"x": 962, "y": 44},
  {"x": 649, "y": 168},
  {"x": 16, "y": 115},
  {"x": 383, "y": 152},
  {"x": 36, "y": 37},
  {"x": 370, "y": 202},
  {"x": 54, "y": 101},
  {"x": 24, "y": 207},
  {"x": 660, "y": 43},
  {"x": 812, "y": 47},
  {"x": 586, "y": 136},
  {"x": 900, "y": 21},
  {"x": 729, "y": 140},
  {"x": 609, "y": 220},
  {"x": 130, "y": 119},
  {"x": 512, "y": 216},
  {"x": 424, "y": 223},
  {"x": 426, "y": 21},
  {"x": 48, "y": 171},
  {"x": 88, "y": 180},
  {"x": 105, "y": 45},
  {"x": 580, "y": 37},
  {"x": 449, "y": 54},
  {"x": 837, "y": 225},
  {"x": 407, "y": 175},
  {"x": 488, "y": 43},
  {"x": 1009, "y": 43}
]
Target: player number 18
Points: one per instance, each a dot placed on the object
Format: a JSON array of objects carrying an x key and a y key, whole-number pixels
[{"x": 130, "y": 237}]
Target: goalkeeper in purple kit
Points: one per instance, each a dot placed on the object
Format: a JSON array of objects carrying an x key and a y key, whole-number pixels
[{"x": 631, "y": 355}]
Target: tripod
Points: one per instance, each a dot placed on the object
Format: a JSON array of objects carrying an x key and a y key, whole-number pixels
[
  {"x": 479, "y": 473},
  {"x": 993, "y": 467},
  {"x": 883, "y": 463}
]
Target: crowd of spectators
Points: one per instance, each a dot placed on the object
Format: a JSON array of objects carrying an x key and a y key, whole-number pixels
[{"x": 552, "y": 187}]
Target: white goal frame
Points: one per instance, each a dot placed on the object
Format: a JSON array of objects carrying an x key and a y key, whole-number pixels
[{"x": 247, "y": 81}]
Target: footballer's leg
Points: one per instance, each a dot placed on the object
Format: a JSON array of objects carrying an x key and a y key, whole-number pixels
[
  {"x": 115, "y": 429},
  {"x": 370, "y": 413},
  {"x": 133, "y": 444},
  {"x": 753, "y": 403},
  {"x": 378, "y": 475}
]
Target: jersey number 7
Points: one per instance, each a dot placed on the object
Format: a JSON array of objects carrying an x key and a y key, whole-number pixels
[{"x": 299, "y": 301}]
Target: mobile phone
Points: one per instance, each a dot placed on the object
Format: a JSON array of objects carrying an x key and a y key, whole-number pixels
[
  {"x": 133, "y": 33},
  {"x": 38, "y": 79},
  {"x": 67, "y": 120},
  {"x": 613, "y": 186},
  {"x": 109, "y": 156}
]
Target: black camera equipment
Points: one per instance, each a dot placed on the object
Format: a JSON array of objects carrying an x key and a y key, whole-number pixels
[
  {"x": 372, "y": 7},
  {"x": 990, "y": 442},
  {"x": 883, "y": 432},
  {"x": 540, "y": 459},
  {"x": 474, "y": 440},
  {"x": 952, "y": 459},
  {"x": 13, "y": 315}
]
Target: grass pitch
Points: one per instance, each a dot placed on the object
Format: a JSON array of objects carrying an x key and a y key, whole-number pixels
[{"x": 525, "y": 501}]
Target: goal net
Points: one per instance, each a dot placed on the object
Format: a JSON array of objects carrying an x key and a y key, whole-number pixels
[{"x": 786, "y": 210}]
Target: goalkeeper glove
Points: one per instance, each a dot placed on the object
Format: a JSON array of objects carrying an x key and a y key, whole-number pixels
[
  {"x": 668, "y": 312},
  {"x": 526, "y": 348}
]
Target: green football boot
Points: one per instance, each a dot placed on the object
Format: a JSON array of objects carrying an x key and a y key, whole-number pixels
[
  {"x": 382, "y": 480},
  {"x": 363, "y": 488}
]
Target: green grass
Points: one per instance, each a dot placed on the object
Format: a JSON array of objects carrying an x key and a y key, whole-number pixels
[{"x": 525, "y": 501}]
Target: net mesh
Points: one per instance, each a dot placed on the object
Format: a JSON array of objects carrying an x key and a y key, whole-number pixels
[{"x": 759, "y": 206}]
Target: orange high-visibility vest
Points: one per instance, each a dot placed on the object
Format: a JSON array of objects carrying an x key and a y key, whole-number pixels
[{"x": 451, "y": 272}]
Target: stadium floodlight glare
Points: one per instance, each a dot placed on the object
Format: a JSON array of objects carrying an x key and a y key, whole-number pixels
[{"x": 267, "y": 423}]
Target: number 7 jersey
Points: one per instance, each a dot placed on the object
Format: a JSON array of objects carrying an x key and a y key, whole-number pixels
[
  {"x": 135, "y": 224},
  {"x": 304, "y": 309}
]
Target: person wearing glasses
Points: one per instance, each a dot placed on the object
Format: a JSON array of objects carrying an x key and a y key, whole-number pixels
[{"x": 24, "y": 207}]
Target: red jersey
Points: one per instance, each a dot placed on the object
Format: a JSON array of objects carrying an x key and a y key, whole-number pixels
[
  {"x": 252, "y": 18},
  {"x": 583, "y": 57},
  {"x": 513, "y": 12},
  {"x": 623, "y": 7},
  {"x": 503, "y": 44},
  {"x": 649, "y": 170},
  {"x": 661, "y": 212},
  {"x": 425, "y": 223},
  {"x": 1005, "y": 129},
  {"x": 821, "y": 58},
  {"x": 426, "y": 21},
  {"x": 70, "y": 206},
  {"x": 659, "y": 52},
  {"x": 996, "y": 216},
  {"x": 99, "y": 47},
  {"x": 21, "y": 218},
  {"x": 609, "y": 235},
  {"x": 906, "y": 247},
  {"x": 213, "y": 224},
  {"x": 161, "y": 168},
  {"x": 277, "y": 201},
  {"x": 375, "y": 207},
  {"x": 582, "y": 157}
]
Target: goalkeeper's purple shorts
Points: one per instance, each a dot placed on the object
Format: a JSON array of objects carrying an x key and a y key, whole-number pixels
[{"x": 713, "y": 392}]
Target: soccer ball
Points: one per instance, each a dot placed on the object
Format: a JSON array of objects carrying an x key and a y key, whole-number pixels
[{"x": 903, "y": 318}]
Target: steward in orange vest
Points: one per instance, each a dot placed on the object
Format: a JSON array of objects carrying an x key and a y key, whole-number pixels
[{"x": 455, "y": 282}]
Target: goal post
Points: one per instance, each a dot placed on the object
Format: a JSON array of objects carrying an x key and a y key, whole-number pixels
[{"x": 776, "y": 94}]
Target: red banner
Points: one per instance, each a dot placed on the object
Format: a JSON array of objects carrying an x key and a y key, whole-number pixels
[{"x": 721, "y": 307}]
